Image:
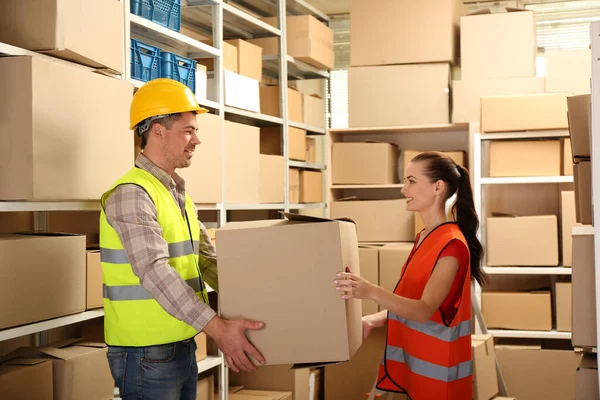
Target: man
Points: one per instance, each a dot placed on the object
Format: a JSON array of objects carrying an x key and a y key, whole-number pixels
[{"x": 154, "y": 254}]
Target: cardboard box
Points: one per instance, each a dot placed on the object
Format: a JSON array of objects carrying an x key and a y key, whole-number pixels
[
  {"x": 567, "y": 158},
  {"x": 531, "y": 311},
  {"x": 568, "y": 222},
  {"x": 204, "y": 178},
  {"x": 364, "y": 163},
  {"x": 586, "y": 378},
  {"x": 249, "y": 59},
  {"x": 405, "y": 95},
  {"x": 57, "y": 261},
  {"x": 563, "y": 306},
  {"x": 369, "y": 269},
  {"x": 485, "y": 382},
  {"x": 270, "y": 142},
  {"x": 260, "y": 395},
  {"x": 294, "y": 187},
  {"x": 311, "y": 150},
  {"x": 486, "y": 55},
  {"x": 275, "y": 377},
  {"x": 239, "y": 91},
  {"x": 579, "y": 125},
  {"x": 583, "y": 192},
  {"x": 433, "y": 27},
  {"x": 37, "y": 161},
  {"x": 374, "y": 219},
  {"x": 201, "y": 346},
  {"x": 88, "y": 32},
  {"x": 458, "y": 157},
  {"x": 525, "y": 158},
  {"x": 307, "y": 249},
  {"x": 201, "y": 82},
  {"x": 584, "y": 292},
  {"x": 467, "y": 94},
  {"x": 535, "y": 244},
  {"x": 311, "y": 186},
  {"x": 524, "y": 112},
  {"x": 94, "y": 296},
  {"x": 308, "y": 40},
  {"x": 353, "y": 379},
  {"x": 230, "y": 58},
  {"x": 271, "y": 187},
  {"x": 568, "y": 71},
  {"x": 25, "y": 379},
  {"x": 313, "y": 110},
  {"x": 242, "y": 163},
  {"x": 206, "y": 388},
  {"x": 269, "y": 103},
  {"x": 391, "y": 262},
  {"x": 538, "y": 374}
]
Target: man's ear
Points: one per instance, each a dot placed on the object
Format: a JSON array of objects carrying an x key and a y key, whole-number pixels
[{"x": 157, "y": 130}]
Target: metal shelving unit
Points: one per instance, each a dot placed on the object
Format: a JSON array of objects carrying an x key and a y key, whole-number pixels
[{"x": 479, "y": 183}]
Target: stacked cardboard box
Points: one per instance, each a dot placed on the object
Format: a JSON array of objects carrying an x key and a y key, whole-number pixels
[
  {"x": 409, "y": 78},
  {"x": 492, "y": 65}
]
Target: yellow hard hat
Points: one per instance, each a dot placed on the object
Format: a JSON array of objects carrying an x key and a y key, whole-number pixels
[{"x": 160, "y": 97}]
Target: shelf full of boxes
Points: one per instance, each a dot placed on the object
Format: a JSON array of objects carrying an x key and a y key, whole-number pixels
[{"x": 37, "y": 199}]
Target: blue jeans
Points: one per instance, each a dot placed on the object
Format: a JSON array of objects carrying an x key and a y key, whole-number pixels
[{"x": 165, "y": 372}]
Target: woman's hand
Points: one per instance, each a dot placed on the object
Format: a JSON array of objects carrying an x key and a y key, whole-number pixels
[{"x": 353, "y": 286}]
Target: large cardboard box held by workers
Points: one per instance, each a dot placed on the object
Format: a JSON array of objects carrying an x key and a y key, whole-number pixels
[
  {"x": 524, "y": 112},
  {"x": 301, "y": 249},
  {"x": 391, "y": 262},
  {"x": 467, "y": 94},
  {"x": 583, "y": 278},
  {"x": 522, "y": 241},
  {"x": 26, "y": 378},
  {"x": 352, "y": 380},
  {"x": 568, "y": 71},
  {"x": 406, "y": 95},
  {"x": 579, "y": 125},
  {"x": 583, "y": 192},
  {"x": 80, "y": 369},
  {"x": 364, "y": 163},
  {"x": 275, "y": 377},
  {"x": 525, "y": 158},
  {"x": 534, "y": 373},
  {"x": 372, "y": 219},
  {"x": 37, "y": 161},
  {"x": 512, "y": 310},
  {"x": 586, "y": 378},
  {"x": 56, "y": 261},
  {"x": 432, "y": 25},
  {"x": 88, "y": 32},
  {"x": 485, "y": 54},
  {"x": 485, "y": 382},
  {"x": 249, "y": 59},
  {"x": 271, "y": 187},
  {"x": 242, "y": 163},
  {"x": 269, "y": 103},
  {"x": 568, "y": 222},
  {"x": 204, "y": 178},
  {"x": 369, "y": 269}
]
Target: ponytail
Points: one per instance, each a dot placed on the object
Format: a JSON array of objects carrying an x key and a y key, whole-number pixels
[{"x": 468, "y": 222}]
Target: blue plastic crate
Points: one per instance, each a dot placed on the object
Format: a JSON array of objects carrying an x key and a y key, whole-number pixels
[
  {"x": 164, "y": 12},
  {"x": 179, "y": 68},
  {"x": 145, "y": 61}
]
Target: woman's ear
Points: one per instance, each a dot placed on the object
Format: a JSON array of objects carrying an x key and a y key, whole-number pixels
[{"x": 439, "y": 187}]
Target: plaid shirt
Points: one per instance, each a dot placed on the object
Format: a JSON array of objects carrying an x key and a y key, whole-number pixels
[{"x": 131, "y": 212}]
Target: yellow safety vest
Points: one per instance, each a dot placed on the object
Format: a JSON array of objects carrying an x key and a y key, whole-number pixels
[{"x": 132, "y": 317}]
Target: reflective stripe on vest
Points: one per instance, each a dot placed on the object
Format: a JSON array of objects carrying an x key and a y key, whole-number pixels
[
  {"x": 132, "y": 317},
  {"x": 427, "y": 369},
  {"x": 438, "y": 331}
]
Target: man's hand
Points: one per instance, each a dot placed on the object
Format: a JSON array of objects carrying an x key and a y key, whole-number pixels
[{"x": 230, "y": 337}]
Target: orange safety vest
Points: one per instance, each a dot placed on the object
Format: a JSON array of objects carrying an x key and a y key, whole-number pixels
[{"x": 430, "y": 361}]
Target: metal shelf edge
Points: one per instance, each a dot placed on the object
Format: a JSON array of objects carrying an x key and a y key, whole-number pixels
[{"x": 208, "y": 363}]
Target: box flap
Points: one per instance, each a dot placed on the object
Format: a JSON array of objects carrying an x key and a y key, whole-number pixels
[
  {"x": 25, "y": 361},
  {"x": 309, "y": 218},
  {"x": 588, "y": 361},
  {"x": 496, "y": 10},
  {"x": 235, "y": 389},
  {"x": 316, "y": 96},
  {"x": 96, "y": 345}
]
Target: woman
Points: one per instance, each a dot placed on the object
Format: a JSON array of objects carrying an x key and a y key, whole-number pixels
[{"x": 428, "y": 317}]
